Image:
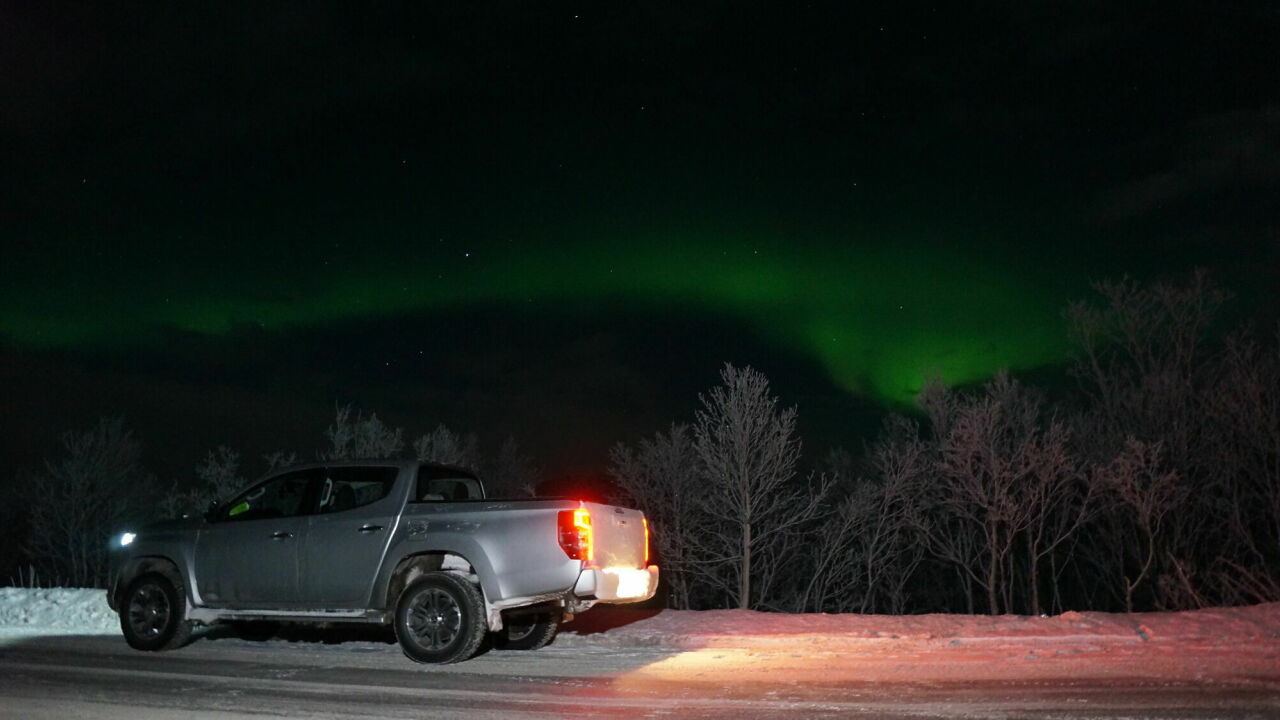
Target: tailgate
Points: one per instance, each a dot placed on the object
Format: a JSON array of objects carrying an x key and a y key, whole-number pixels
[{"x": 618, "y": 536}]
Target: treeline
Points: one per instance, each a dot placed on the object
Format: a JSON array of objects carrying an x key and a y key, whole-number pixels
[
  {"x": 1153, "y": 484},
  {"x": 98, "y": 485}
]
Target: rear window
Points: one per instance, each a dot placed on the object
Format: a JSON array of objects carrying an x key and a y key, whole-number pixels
[
  {"x": 347, "y": 488},
  {"x": 445, "y": 485}
]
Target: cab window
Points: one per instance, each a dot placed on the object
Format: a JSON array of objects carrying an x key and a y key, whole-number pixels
[
  {"x": 348, "y": 488},
  {"x": 283, "y": 496}
]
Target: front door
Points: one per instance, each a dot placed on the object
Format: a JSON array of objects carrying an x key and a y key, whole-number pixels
[
  {"x": 248, "y": 557},
  {"x": 347, "y": 537}
]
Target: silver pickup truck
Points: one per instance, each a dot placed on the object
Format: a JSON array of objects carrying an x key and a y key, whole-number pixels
[{"x": 410, "y": 544}]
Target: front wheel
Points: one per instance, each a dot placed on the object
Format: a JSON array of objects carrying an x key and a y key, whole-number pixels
[
  {"x": 153, "y": 615},
  {"x": 528, "y": 632},
  {"x": 440, "y": 619}
]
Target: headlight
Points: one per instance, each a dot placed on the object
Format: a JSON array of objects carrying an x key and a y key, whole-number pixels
[{"x": 127, "y": 538}]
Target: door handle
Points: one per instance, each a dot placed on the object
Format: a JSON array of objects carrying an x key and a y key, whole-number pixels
[
  {"x": 370, "y": 528},
  {"x": 282, "y": 535}
]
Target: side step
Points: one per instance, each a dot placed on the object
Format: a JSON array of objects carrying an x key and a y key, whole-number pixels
[{"x": 211, "y": 615}]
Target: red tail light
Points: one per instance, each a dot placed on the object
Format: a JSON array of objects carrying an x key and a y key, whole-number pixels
[{"x": 575, "y": 533}]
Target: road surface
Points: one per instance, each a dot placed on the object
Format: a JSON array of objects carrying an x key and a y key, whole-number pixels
[{"x": 99, "y": 677}]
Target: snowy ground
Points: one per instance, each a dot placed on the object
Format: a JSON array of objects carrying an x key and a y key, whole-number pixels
[
  {"x": 61, "y": 656},
  {"x": 55, "y": 611}
]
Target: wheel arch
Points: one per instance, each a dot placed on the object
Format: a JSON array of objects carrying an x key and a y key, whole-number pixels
[
  {"x": 136, "y": 567},
  {"x": 412, "y": 566}
]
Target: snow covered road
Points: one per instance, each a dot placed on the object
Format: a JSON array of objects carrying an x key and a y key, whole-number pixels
[{"x": 723, "y": 664}]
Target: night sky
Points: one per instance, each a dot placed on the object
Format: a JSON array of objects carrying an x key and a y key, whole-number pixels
[{"x": 557, "y": 221}]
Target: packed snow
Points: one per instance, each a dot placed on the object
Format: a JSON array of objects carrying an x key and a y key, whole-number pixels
[
  {"x": 57, "y": 611},
  {"x": 1196, "y": 646},
  {"x": 675, "y": 628},
  {"x": 85, "y": 611}
]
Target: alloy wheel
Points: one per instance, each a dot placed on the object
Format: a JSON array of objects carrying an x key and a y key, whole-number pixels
[
  {"x": 434, "y": 619},
  {"x": 149, "y": 610}
]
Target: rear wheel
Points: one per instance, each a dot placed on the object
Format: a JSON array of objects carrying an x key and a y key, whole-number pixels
[
  {"x": 153, "y": 614},
  {"x": 528, "y": 632},
  {"x": 440, "y": 619}
]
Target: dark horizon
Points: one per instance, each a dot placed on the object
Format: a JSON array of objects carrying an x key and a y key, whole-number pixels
[{"x": 557, "y": 223}]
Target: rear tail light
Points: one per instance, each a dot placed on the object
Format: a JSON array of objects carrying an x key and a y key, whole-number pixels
[
  {"x": 574, "y": 531},
  {"x": 645, "y": 520}
]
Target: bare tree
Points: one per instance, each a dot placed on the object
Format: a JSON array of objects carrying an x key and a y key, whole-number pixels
[
  {"x": 363, "y": 437},
  {"x": 1243, "y": 405},
  {"x": 747, "y": 454},
  {"x": 1008, "y": 491},
  {"x": 219, "y": 478},
  {"x": 445, "y": 446},
  {"x": 866, "y": 553},
  {"x": 1062, "y": 499},
  {"x": 983, "y": 459},
  {"x": 220, "y": 473},
  {"x": 1142, "y": 356},
  {"x": 660, "y": 476},
  {"x": 80, "y": 499},
  {"x": 279, "y": 459},
  {"x": 1148, "y": 493},
  {"x": 892, "y": 550},
  {"x": 1157, "y": 486},
  {"x": 1155, "y": 374},
  {"x": 510, "y": 472}
]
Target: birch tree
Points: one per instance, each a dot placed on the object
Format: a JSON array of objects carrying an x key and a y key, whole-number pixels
[
  {"x": 511, "y": 473},
  {"x": 447, "y": 447},
  {"x": 1147, "y": 493},
  {"x": 218, "y": 477},
  {"x": 747, "y": 454},
  {"x": 866, "y": 552},
  {"x": 80, "y": 499},
  {"x": 361, "y": 437},
  {"x": 1007, "y": 486},
  {"x": 1243, "y": 404}
]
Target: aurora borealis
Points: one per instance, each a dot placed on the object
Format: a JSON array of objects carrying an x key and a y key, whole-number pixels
[
  {"x": 204, "y": 200},
  {"x": 877, "y": 321}
]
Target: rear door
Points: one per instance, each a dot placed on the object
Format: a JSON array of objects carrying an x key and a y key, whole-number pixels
[{"x": 347, "y": 537}]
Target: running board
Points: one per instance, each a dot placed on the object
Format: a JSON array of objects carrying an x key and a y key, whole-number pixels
[{"x": 210, "y": 615}]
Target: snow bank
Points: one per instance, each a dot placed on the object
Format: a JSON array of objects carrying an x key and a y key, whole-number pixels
[
  {"x": 85, "y": 611},
  {"x": 1228, "y": 645},
  {"x": 686, "y": 628},
  {"x": 81, "y": 611}
]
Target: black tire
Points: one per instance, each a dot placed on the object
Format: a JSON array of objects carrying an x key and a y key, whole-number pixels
[
  {"x": 153, "y": 614},
  {"x": 255, "y": 630},
  {"x": 440, "y": 619},
  {"x": 531, "y": 631}
]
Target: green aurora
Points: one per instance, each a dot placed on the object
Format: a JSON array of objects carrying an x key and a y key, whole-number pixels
[
  {"x": 879, "y": 319},
  {"x": 907, "y": 192}
]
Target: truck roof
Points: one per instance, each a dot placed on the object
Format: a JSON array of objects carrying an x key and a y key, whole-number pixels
[{"x": 375, "y": 462}]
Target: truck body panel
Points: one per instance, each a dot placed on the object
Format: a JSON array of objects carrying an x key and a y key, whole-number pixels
[{"x": 356, "y": 528}]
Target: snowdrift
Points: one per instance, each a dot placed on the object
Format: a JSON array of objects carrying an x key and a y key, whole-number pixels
[
  {"x": 676, "y": 628},
  {"x": 1237, "y": 646},
  {"x": 65, "y": 611},
  {"x": 85, "y": 611}
]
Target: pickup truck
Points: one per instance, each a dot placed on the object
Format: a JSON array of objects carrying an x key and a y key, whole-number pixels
[{"x": 414, "y": 545}]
